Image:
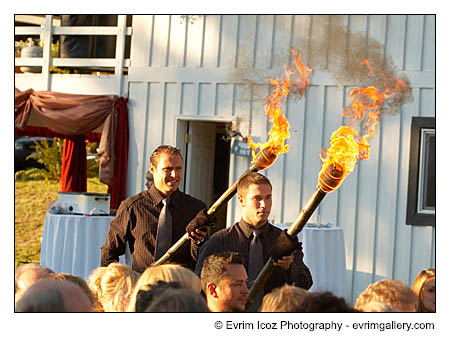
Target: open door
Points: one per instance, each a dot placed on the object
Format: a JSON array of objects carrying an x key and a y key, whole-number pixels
[
  {"x": 206, "y": 148},
  {"x": 200, "y": 149}
]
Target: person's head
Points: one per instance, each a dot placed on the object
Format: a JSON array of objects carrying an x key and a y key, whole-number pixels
[
  {"x": 224, "y": 282},
  {"x": 113, "y": 286},
  {"x": 255, "y": 197},
  {"x": 324, "y": 302},
  {"x": 166, "y": 167},
  {"x": 149, "y": 293},
  {"x": 79, "y": 282},
  {"x": 178, "y": 300},
  {"x": 425, "y": 288},
  {"x": 286, "y": 298},
  {"x": 148, "y": 179},
  {"x": 94, "y": 282},
  {"x": 392, "y": 292},
  {"x": 26, "y": 275},
  {"x": 375, "y": 307},
  {"x": 167, "y": 273},
  {"x": 53, "y": 295}
]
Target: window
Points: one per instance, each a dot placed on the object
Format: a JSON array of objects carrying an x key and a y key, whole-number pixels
[{"x": 421, "y": 206}]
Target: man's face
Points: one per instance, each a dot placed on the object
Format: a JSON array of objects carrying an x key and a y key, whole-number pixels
[
  {"x": 232, "y": 290},
  {"x": 256, "y": 204},
  {"x": 168, "y": 173}
]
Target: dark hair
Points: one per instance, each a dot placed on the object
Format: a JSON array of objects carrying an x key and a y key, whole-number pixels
[
  {"x": 173, "y": 151},
  {"x": 149, "y": 293},
  {"x": 324, "y": 302},
  {"x": 178, "y": 300},
  {"x": 50, "y": 300},
  {"x": 250, "y": 179},
  {"x": 214, "y": 267},
  {"x": 77, "y": 281}
]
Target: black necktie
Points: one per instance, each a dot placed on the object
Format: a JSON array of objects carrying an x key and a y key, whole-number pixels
[
  {"x": 255, "y": 265},
  {"x": 164, "y": 233}
]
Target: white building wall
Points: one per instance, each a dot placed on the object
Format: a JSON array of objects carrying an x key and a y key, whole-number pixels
[{"x": 216, "y": 66}]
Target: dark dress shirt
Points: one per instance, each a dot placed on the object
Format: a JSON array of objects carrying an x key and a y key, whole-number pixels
[
  {"x": 237, "y": 238},
  {"x": 136, "y": 222}
]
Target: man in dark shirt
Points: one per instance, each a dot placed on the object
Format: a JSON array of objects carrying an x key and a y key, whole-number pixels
[
  {"x": 255, "y": 198},
  {"x": 137, "y": 218}
]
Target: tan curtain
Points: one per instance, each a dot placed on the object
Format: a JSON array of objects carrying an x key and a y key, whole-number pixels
[{"x": 72, "y": 115}]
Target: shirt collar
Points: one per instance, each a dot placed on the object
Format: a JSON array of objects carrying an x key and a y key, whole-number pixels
[
  {"x": 157, "y": 197},
  {"x": 248, "y": 229}
]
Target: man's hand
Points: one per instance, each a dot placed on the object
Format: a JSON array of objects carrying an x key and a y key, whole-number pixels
[
  {"x": 285, "y": 246},
  {"x": 285, "y": 262},
  {"x": 199, "y": 234},
  {"x": 199, "y": 226}
]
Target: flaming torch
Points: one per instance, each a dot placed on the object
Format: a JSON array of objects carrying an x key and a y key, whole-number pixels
[
  {"x": 340, "y": 159},
  {"x": 295, "y": 80}
]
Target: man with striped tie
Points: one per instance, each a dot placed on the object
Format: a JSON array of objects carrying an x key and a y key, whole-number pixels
[{"x": 153, "y": 220}]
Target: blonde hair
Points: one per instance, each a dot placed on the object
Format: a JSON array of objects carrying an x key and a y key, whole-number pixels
[
  {"x": 392, "y": 292},
  {"x": 375, "y": 307},
  {"x": 94, "y": 282},
  {"x": 419, "y": 284},
  {"x": 167, "y": 273},
  {"x": 113, "y": 285},
  {"x": 283, "y": 299}
]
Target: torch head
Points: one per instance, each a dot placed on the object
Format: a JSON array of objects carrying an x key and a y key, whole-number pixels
[
  {"x": 331, "y": 177},
  {"x": 265, "y": 158}
]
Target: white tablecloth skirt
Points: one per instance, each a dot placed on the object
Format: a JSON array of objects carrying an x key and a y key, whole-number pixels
[
  {"x": 324, "y": 254},
  {"x": 72, "y": 243}
]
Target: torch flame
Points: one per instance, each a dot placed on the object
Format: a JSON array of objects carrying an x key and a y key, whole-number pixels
[
  {"x": 295, "y": 79},
  {"x": 345, "y": 146}
]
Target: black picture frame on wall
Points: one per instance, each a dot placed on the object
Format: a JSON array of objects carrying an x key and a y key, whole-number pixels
[{"x": 421, "y": 203}]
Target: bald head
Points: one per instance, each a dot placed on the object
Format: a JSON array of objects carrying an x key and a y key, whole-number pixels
[
  {"x": 51, "y": 295},
  {"x": 27, "y": 274}
]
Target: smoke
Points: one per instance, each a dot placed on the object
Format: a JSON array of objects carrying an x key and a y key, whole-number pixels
[
  {"x": 326, "y": 44},
  {"x": 345, "y": 53}
]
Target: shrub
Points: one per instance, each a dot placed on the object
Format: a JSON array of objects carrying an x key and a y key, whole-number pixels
[{"x": 50, "y": 156}]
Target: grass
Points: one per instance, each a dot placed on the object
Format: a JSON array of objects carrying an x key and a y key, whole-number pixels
[{"x": 30, "y": 206}]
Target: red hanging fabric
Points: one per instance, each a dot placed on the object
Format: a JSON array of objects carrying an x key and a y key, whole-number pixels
[
  {"x": 74, "y": 165},
  {"x": 73, "y": 117},
  {"x": 34, "y": 131},
  {"x": 118, "y": 190}
]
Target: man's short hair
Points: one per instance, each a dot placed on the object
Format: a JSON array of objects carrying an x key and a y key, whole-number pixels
[
  {"x": 392, "y": 292},
  {"x": 53, "y": 295},
  {"x": 77, "y": 281},
  {"x": 170, "y": 150},
  {"x": 250, "y": 179},
  {"x": 51, "y": 300},
  {"x": 214, "y": 267}
]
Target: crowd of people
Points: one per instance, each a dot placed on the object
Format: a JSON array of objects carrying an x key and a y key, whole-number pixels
[
  {"x": 221, "y": 287},
  {"x": 211, "y": 272}
]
